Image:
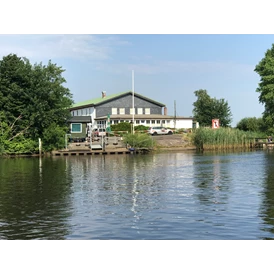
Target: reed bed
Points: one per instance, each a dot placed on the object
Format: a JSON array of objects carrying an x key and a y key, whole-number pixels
[{"x": 223, "y": 138}]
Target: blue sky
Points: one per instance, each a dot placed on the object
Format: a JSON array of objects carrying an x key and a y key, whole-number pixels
[{"x": 167, "y": 68}]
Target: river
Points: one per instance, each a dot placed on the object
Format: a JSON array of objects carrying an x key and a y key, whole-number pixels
[{"x": 172, "y": 195}]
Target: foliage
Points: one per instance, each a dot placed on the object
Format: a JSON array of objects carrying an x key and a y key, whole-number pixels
[
  {"x": 141, "y": 127},
  {"x": 54, "y": 137},
  {"x": 32, "y": 98},
  {"x": 121, "y": 127},
  {"x": 265, "y": 69},
  {"x": 223, "y": 138},
  {"x": 207, "y": 108},
  {"x": 139, "y": 140},
  {"x": 251, "y": 124},
  {"x": 21, "y": 146},
  {"x": 124, "y": 126},
  {"x": 14, "y": 143}
]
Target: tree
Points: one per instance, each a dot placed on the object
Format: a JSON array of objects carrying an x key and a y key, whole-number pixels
[
  {"x": 207, "y": 108},
  {"x": 251, "y": 124},
  {"x": 33, "y": 96},
  {"x": 265, "y": 68}
]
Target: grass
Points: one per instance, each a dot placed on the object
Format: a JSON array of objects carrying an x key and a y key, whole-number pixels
[{"x": 223, "y": 138}]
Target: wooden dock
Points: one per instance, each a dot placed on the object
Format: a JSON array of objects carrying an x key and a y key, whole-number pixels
[
  {"x": 88, "y": 152},
  {"x": 112, "y": 146},
  {"x": 261, "y": 143}
]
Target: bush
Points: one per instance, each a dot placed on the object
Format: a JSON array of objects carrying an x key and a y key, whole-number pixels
[
  {"x": 19, "y": 146},
  {"x": 139, "y": 140}
]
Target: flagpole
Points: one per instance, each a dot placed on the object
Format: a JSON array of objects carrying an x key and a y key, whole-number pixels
[{"x": 133, "y": 108}]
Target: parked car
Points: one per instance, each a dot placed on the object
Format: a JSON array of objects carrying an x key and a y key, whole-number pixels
[
  {"x": 99, "y": 132},
  {"x": 160, "y": 130}
]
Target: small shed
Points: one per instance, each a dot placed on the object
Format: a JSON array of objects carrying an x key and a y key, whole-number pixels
[{"x": 80, "y": 127}]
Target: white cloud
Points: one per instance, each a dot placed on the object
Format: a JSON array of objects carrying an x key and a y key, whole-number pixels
[
  {"x": 37, "y": 47},
  {"x": 152, "y": 67},
  {"x": 101, "y": 51}
]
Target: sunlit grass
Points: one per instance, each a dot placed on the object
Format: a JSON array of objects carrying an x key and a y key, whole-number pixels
[{"x": 223, "y": 138}]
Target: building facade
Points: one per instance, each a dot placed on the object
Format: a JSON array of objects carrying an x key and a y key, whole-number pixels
[{"x": 119, "y": 107}]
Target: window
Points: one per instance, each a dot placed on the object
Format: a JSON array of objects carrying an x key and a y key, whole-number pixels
[
  {"x": 115, "y": 122},
  {"x": 140, "y": 111},
  {"x": 137, "y": 121},
  {"x": 158, "y": 122},
  {"x": 101, "y": 123},
  {"x": 153, "y": 122},
  {"x": 122, "y": 111},
  {"x": 163, "y": 121},
  {"x": 142, "y": 121},
  {"x": 148, "y": 122},
  {"x": 114, "y": 111},
  {"x": 131, "y": 111},
  {"x": 147, "y": 110},
  {"x": 76, "y": 128}
]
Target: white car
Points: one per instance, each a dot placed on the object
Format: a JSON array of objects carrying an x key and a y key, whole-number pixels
[
  {"x": 160, "y": 130},
  {"x": 99, "y": 132}
]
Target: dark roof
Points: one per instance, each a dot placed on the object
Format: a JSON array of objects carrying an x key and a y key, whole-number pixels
[
  {"x": 80, "y": 119},
  {"x": 99, "y": 101}
]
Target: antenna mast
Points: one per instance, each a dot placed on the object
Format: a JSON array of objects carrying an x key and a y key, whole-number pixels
[
  {"x": 133, "y": 109},
  {"x": 175, "y": 114}
]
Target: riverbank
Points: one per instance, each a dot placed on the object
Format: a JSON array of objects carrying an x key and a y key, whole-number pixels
[{"x": 174, "y": 142}]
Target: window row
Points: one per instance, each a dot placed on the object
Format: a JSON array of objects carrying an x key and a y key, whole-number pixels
[
  {"x": 114, "y": 111},
  {"x": 140, "y": 111},
  {"x": 82, "y": 112},
  {"x": 137, "y": 122},
  {"x": 77, "y": 127}
]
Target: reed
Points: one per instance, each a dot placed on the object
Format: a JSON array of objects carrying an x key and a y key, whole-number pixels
[{"x": 223, "y": 138}]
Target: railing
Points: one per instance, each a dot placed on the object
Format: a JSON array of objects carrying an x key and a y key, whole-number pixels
[{"x": 259, "y": 142}]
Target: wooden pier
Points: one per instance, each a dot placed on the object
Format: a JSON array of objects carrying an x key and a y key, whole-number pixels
[
  {"x": 88, "y": 152},
  {"x": 85, "y": 150},
  {"x": 261, "y": 143}
]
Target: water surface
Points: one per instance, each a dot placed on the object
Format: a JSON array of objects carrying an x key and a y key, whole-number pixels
[{"x": 183, "y": 195}]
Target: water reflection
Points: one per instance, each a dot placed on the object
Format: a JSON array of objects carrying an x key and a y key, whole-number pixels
[
  {"x": 155, "y": 196},
  {"x": 267, "y": 208},
  {"x": 34, "y": 199},
  {"x": 212, "y": 177}
]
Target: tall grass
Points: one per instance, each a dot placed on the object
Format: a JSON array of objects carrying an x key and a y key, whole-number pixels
[
  {"x": 223, "y": 138},
  {"x": 139, "y": 141}
]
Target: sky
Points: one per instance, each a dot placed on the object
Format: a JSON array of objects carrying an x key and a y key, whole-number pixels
[{"x": 167, "y": 68}]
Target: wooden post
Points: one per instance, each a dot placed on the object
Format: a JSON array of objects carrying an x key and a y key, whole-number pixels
[{"x": 40, "y": 146}]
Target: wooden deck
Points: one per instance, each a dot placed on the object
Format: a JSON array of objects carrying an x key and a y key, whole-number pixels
[
  {"x": 113, "y": 145},
  {"x": 261, "y": 143},
  {"x": 89, "y": 152}
]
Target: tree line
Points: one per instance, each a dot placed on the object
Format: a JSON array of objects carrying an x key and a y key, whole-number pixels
[
  {"x": 207, "y": 108},
  {"x": 33, "y": 104}
]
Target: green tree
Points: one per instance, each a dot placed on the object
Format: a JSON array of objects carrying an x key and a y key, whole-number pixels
[
  {"x": 34, "y": 96},
  {"x": 251, "y": 124},
  {"x": 53, "y": 137},
  {"x": 14, "y": 143},
  {"x": 207, "y": 108},
  {"x": 265, "y": 69}
]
